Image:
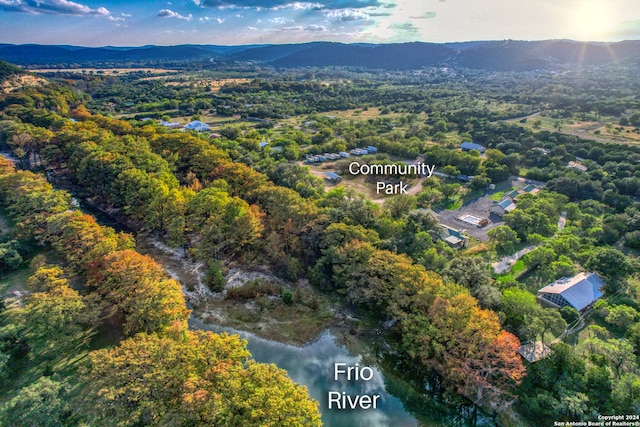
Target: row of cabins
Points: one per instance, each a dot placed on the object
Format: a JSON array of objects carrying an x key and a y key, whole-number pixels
[
  {"x": 362, "y": 151},
  {"x": 327, "y": 156},
  {"x": 341, "y": 155}
]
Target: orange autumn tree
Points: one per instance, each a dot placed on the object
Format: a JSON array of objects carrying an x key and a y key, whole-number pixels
[
  {"x": 466, "y": 345},
  {"x": 81, "y": 239},
  {"x": 190, "y": 378},
  {"x": 139, "y": 291}
]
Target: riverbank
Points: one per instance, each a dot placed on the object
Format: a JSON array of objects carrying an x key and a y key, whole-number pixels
[{"x": 308, "y": 314}]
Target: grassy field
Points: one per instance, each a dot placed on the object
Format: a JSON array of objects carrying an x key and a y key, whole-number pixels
[
  {"x": 213, "y": 84},
  {"x": 597, "y": 131}
]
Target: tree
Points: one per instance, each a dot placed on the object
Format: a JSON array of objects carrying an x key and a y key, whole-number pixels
[
  {"x": 190, "y": 378},
  {"x": 626, "y": 393},
  {"x": 619, "y": 353},
  {"x": 449, "y": 190},
  {"x": 80, "y": 113},
  {"x": 470, "y": 272},
  {"x": 621, "y": 316},
  {"x": 552, "y": 320},
  {"x": 138, "y": 290},
  {"x": 466, "y": 345},
  {"x": 10, "y": 258},
  {"x": 400, "y": 205},
  {"x": 46, "y": 278},
  {"x": 539, "y": 257},
  {"x": 521, "y": 309},
  {"x": 613, "y": 266},
  {"x": 41, "y": 404},
  {"x": 82, "y": 240},
  {"x": 56, "y": 321},
  {"x": 504, "y": 238}
]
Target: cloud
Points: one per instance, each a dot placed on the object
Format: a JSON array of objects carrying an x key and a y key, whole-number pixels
[
  {"x": 252, "y": 29},
  {"x": 167, "y": 13},
  {"x": 406, "y": 30},
  {"x": 53, "y": 7},
  {"x": 315, "y": 28},
  {"x": 403, "y": 27},
  {"x": 426, "y": 15},
  {"x": 280, "y": 20},
  {"x": 294, "y": 28},
  {"x": 347, "y": 15},
  {"x": 281, "y": 4},
  {"x": 298, "y": 6}
]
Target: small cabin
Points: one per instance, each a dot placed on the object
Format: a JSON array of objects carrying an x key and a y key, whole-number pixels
[{"x": 332, "y": 177}]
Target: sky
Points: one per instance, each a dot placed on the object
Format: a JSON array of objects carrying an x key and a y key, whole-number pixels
[{"x": 236, "y": 22}]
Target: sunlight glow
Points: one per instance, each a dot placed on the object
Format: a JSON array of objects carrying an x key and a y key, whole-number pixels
[{"x": 592, "y": 20}]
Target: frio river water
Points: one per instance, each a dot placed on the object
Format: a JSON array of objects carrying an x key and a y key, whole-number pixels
[{"x": 313, "y": 366}]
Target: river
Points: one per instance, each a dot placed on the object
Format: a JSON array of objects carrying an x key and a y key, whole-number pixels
[{"x": 312, "y": 365}]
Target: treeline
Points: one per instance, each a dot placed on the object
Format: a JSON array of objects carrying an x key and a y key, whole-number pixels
[
  {"x": 184, "y": 377},
  {"x": 441, "y": 326},
  {"x": 191, "y": 192}
]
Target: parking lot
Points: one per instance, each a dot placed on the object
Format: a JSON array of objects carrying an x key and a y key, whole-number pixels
[{"x": 481, "y": 208}]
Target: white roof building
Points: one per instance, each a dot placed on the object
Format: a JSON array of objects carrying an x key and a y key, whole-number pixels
[
  {"x": 578, "y": 291},
  {"x": 197, "y": 125}
]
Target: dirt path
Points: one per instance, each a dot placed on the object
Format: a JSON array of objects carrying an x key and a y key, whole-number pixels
[{"x": 562, "y": 221}]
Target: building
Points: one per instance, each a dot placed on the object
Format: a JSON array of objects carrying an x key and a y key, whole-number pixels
[
  {"x": 451, "y": 236},
  {"x": 333, "y": 178},
  {"x": 534, "y": 351},
  {"x": 506, "y": 205},
  {"x": 579, "y": 291},
  {"x": 578, "y": 166},
  {"x": 468, "y": 146},
  {"x": 170, "y": 124},
  {"x": 197, "y": 125}
]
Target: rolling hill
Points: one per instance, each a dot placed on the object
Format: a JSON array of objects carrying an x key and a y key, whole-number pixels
[{"x": 506, "y": 55}]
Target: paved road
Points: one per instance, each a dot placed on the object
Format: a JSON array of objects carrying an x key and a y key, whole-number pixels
[{"x": 505, "y": 263}]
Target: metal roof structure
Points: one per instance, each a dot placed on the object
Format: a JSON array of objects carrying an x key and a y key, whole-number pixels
[
  {"x": 472, "y": 146},
  {"x": 534, "y": 351},
  {"x": 578, "y": 291},
  {"x": 333, "y": 176},
  {"x": 506, "y": 204},
  {"x": 197, "y": 125}
]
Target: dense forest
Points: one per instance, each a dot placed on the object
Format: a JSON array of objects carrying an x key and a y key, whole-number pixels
[{"x": 224, "y": 199}]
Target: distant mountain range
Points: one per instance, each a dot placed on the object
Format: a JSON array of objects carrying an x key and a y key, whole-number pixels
[{"x": 486, "y": 55}]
